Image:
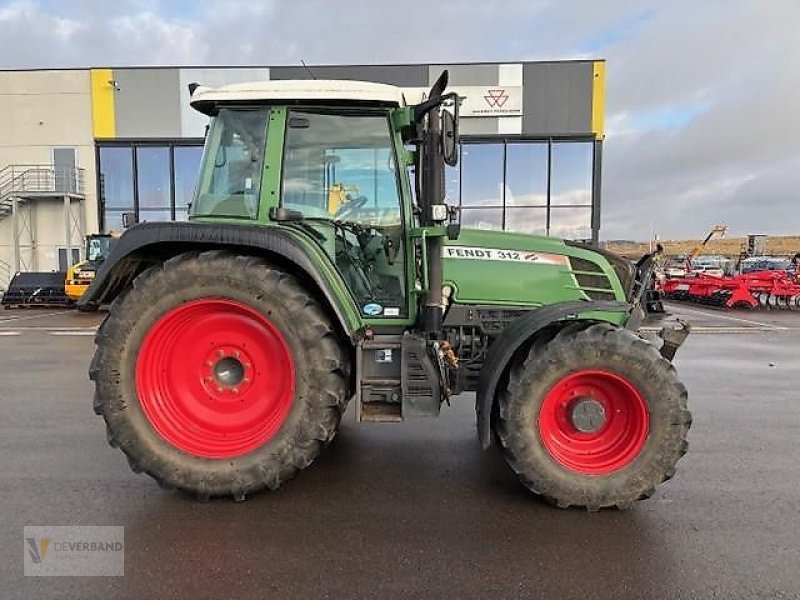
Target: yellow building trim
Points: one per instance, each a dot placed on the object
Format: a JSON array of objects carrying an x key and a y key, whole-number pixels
[
  {"x": 103, "y": 90},
  {"x": 598, "y": 98}
]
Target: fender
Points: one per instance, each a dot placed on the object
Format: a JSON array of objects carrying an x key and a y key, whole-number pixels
[
  {"x": 151, "y": 243},
  {"x": 513, "y": 337}
]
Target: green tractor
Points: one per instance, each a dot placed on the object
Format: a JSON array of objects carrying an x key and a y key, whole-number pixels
[{"x": 321, "y": 266}]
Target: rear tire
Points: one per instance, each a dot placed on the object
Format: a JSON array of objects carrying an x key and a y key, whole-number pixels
[
  {"x": 593, "y": 418},
  {"x": 219, "y": 374}
]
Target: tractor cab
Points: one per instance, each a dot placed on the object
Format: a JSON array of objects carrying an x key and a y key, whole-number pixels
[
  {"x": 343, "y": 153},
  {"x": 80, "y": 275}
]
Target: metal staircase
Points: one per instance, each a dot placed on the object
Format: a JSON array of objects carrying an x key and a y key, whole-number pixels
[
  {"x": 5, "y": 275},
  {"x": 26, "y": 182}
]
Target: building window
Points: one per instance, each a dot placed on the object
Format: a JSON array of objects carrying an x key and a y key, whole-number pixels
[
  {"x": 452, "y": 183},
  {"x": 571, "y": 174},
  {"x": 540, "y": 187},
  {"x": 115, "y": 184},
  {"x": 526, "y": 174},
  {"x": 65, "y": 261},
  {"x": 571, "y": 222},
  {"x": 527, "y": 219},
  {"x": 155, "y": 181},
  {"x": 187, "y": 161},
  {"x": 482, "y": 175},
  {"x": 482, "y": 186},
  {"x": 482, "y": 218}
]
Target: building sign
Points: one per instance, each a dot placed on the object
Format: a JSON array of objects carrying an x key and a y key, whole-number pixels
[
  {"x": 490, "y": 101},
  {"x": 480, "y": 101}
]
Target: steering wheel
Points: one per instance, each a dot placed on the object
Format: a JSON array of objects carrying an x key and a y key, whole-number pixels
[{"x": 350, "y": 206}]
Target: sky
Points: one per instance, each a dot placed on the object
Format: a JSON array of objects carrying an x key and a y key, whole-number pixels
[{"x": 703, "y": 98}]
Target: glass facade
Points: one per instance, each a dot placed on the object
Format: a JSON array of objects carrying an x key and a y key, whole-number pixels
[
  {"x": 155, "y": 181},
  {"x": 540, "y": 187}
]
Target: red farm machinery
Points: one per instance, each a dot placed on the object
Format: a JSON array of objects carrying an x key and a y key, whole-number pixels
[{"x": 767, "y": 289}]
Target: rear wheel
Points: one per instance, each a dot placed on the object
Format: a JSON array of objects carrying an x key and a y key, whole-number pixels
[
  {"x": 219, "y": 375},
  {"x": 593, "y": 418}
]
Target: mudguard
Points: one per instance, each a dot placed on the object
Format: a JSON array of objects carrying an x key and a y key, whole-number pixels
[
  {"x": 513, "y": 337},
  {"x": 151, "y": 243}
]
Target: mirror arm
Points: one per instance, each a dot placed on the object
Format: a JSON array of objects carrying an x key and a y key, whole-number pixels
[{"x": 422, "y": 109}]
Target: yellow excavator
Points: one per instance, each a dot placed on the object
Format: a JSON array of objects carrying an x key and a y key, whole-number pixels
[
  {"x": 81, "y": 274},
  {"x": 716, "y": 231}
]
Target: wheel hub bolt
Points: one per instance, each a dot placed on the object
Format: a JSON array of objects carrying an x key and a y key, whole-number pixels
[{"x": 588, "y": 415}]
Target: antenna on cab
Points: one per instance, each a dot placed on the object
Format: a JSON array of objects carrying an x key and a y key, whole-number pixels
[{"x": 307, "y": 68}]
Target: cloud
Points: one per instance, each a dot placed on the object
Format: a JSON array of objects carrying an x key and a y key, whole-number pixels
[
  {"x": 702, "y": 97},
  {"x": 723, "y": 78}
]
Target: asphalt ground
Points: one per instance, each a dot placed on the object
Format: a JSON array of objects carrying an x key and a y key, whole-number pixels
[{"x": 417, "y": 510}]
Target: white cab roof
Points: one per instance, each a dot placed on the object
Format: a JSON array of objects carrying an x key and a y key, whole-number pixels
[{"x": 321, "y": 90}]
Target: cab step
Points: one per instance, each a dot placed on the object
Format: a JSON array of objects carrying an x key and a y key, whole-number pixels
[
  {"x": 381, "y": 412},
  {"x": 397, "y": 378}
]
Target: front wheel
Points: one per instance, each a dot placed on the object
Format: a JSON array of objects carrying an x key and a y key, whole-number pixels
[
  {"x": 219, "y": 375},
  {"x": 593, "y": 418}
]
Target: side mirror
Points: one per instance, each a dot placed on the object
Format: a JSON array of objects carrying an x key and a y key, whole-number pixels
[{"x": 449, "y": 138}]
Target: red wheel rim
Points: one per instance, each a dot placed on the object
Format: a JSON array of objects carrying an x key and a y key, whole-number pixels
[
  {"x": 215, "y": 378},
  {"x": 594, "y": 422}
]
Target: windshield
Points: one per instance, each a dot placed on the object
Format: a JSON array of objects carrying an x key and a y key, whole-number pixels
[
  {"x": 97, "y": 248},
  {"x": 230, "y": 174}
]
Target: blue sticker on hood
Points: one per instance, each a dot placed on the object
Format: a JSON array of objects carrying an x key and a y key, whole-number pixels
[{"x": 372, "y": 309}]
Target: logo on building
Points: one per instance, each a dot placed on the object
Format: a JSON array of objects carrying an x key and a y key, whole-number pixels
[
  {"x": 480, "y": 100},
  {"x": 496, "y": 98}
]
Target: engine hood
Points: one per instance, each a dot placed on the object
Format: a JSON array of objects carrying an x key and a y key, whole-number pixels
[{"x": 497, "y": 267}]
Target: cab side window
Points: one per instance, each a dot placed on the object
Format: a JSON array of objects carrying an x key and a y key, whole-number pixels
[{"x": 340, "y": 173}]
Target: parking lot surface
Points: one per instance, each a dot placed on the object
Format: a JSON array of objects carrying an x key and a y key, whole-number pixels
[{"x": 417, "y": 510}]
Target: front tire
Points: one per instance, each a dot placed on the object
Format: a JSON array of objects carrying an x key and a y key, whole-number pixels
[
  {"x": 594, "y": 418},
  {"x": 219, "y": 374}
]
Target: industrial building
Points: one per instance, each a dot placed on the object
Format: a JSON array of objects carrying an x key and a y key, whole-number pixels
[{"x": 81, "y": 147}]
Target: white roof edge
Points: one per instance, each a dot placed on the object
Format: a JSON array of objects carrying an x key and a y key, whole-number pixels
[{"x": 306, "y": 89}]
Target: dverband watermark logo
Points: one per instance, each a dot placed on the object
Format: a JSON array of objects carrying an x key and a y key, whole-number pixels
[{"x": 74, "y": 550}]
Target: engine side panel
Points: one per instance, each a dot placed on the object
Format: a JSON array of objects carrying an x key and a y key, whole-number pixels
[{"x": 502, "y": 268}]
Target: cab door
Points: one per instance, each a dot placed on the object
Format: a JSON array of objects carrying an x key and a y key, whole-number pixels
[{"x": 340, "y": 172}]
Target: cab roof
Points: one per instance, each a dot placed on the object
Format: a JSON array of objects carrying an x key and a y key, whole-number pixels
[{"x": 318, "y": 91}]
